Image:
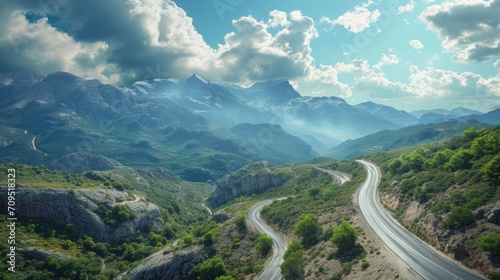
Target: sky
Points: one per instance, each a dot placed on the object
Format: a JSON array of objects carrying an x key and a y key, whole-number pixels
[{"x": 407, "y": 54}]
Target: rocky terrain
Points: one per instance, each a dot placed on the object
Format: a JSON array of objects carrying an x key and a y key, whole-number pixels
[
  {"x": 167, "y": 265},
  {"x": 456, "y": 243},
  {"x": 251, "y": 179},
  {"x": 80, "y": 207}
]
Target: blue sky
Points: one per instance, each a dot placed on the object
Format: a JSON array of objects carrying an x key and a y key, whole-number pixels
[{"x": 407, "y": 54}]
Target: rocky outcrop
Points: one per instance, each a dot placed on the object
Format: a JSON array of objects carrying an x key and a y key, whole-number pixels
[
  {"x": 251, "y": 179},
  {"x": 390, "y": 201},
  {"x": 80, "y": 207},
  {"x": 490, "y": 212},
  {"x": 167, "y": 265},
  {"x": 458, "y": 249}
]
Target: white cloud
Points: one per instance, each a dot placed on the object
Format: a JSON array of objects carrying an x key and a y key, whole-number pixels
[
  {"x": 387, "y": 60},
  {"x": 278, "y": 18},
  {"x": 357, "y": 20},
  {"x": 416, "y": 44},
  {"x": 371, "y": 80},
  {"x": 497, "y": 64},
  {"x": 468, "y": 27},
  {"x": 42, "y": 48},
  {"x": 432, "y": 82},
  {"x": 407, "y": 8}
]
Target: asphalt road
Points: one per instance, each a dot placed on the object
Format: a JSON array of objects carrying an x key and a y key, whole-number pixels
[
  {"x": 414, "y": 252},
  {"x": 273, "y": 270},
  {"x": 342, "y": 177}
]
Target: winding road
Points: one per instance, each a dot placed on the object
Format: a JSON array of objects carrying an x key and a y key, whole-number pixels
[
  {"x": 414, "y": 252},
  {"x": 273, "y": 270}
]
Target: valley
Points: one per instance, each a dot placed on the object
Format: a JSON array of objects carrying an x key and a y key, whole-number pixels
[{"x": 193, "y": 179}]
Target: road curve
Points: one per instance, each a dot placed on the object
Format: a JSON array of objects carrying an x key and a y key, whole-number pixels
[
  {"x": 273, "y": 270},
  {"x": 414, "y": 252},
  {"x": 340, "y": 176}
]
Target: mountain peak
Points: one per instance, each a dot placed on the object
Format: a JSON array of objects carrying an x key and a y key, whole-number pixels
[
  {"x": 197, "y": 78},
  {"x": 276, "y": 91}
]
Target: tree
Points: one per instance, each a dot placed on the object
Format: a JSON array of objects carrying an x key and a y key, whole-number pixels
[
  {"x": 307, "y": 228},
  {"x": 460, "y": 160},
  {"x": 491, "y": 170},
  {"x": 314, "y": 192},
  {"x": 212, "y": 268},
  {"x": 292, "y": 266},
  {"x": 240, "y": 220},
  {"x": 208, "y": 239},
  {"x": 188, "y": 240},
  {"x": 294, "y": 246},
  {"x": 265, "y": 244},
  {"x": 344, "y": 236}
]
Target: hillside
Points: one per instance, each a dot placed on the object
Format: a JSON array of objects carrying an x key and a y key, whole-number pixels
[
  {"x": 97, "y": 223},
  {"x": 448, "y": 195},
  {"x": 409, "y": 136}
]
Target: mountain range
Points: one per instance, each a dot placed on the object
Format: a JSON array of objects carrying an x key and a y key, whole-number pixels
[{"x": 197, "y": 128}]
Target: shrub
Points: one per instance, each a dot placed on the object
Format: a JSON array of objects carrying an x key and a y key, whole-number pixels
[
  {"x": 307, "y": 228},
  {"x": 459, "y": 216},
  {"x": 344, "y": 236},
  {"x": 240, "y": 220},
  {"x": 265, "y": 244},
  {"x": 490, "y": 243}
]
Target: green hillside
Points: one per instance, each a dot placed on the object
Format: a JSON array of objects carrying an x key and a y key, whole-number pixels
[{"x": 447, "y": 192}]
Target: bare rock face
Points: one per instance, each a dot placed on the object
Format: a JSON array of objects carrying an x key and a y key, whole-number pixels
[
  {"x": 167, "y": 265},
  {"x": 458, "y": 249},
  {"x": 390, "y": 201},
  {"x": 493, "y": 216},
  {"x": 490, "y": 212},
  {"x": 80, "y": 207},
  {"x": 251, "y": 179}
]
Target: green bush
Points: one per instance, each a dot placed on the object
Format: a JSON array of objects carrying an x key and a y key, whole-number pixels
[
  {"x": 459, "y": 216},
  {"x": 307, "y": 228},
  {"x": 344, "y": 236},
  {"x": 265, "y": 244},
  {"x": 490, "y": 243},
  {"x": 212, "y": 268},
  {"x": 240, "y": 220}
]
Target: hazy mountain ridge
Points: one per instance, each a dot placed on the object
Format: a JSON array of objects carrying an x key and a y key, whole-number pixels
[
  {"x": 49, "y": 118},
  {"x": 409, "y": 136}
]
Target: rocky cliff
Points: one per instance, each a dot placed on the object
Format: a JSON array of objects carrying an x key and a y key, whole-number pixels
[
  {"x": 167, "y": 265},
  {"x": 251, "y": 179},
  {"x": 80, "y": 207}
]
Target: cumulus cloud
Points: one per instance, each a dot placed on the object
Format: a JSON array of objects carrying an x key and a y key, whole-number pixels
[
  {"x": 416, "y": 44},
  {"x": 460, "y": 89},
  {"x": 357, "y": 20},
  {"x": 131, "y": 39},
  {"x": 122, "y": 42},
  {"x": 371, "y": 80},
  {"x": 407, "y": 8},
  {"x": 457, "y": 89},
  {"x": 471, "y": 28}
]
